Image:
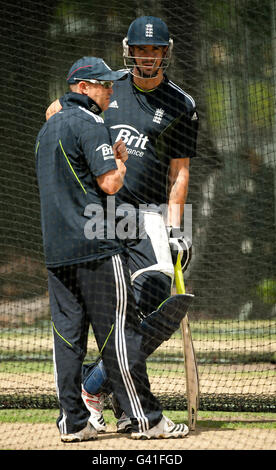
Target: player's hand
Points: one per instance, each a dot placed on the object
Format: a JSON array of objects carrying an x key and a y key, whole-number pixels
[
  {"x": 120, "y": 151},
  {"x": 182, "y": 246},
  {"x": 54, "y": 108}
]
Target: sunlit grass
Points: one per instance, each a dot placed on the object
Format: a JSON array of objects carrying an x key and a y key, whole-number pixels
[{"x": 206, "y": 419}]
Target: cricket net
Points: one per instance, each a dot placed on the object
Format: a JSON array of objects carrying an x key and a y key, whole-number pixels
[{"x": 225, "y": 57}]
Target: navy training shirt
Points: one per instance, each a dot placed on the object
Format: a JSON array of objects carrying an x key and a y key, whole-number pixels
[
  {"x": 156, "y": 126},
  {"x": 72, "y": 149}
]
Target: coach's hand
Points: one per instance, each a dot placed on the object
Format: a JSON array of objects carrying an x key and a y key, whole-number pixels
[
  {"x": 54, "y": 108},
  {"x": 180, "y": 245},
  {"x": 120, "y": 151}
]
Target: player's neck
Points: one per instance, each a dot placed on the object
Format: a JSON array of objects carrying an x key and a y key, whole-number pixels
[{"x": 148, "y": 84}]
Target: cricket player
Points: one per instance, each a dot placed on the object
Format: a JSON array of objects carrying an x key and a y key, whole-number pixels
[{"x": 158, "y": 122}]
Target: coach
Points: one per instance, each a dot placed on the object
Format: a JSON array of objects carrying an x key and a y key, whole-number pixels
[{"x": 88, "y": 278}]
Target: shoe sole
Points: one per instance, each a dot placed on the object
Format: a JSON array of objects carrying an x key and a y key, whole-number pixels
[
  {"x": 77, "y": 439},
  {"x": 146, "y": 437}
]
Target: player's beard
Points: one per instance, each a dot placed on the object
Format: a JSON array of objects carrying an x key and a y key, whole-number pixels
[
  {"x": 143, "y": 70},
  {"x": 146, "y": 75}
]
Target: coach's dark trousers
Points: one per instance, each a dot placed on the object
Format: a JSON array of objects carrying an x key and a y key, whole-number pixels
[{"x": 99, "y": 293}]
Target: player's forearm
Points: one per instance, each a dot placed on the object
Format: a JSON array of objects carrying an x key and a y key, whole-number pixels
[
  {"x": 178, "y": 182},
  {"x": 177, "y": 197}
]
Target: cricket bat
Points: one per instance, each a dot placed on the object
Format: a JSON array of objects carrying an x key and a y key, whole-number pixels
[{"x": 192, "y": 380}]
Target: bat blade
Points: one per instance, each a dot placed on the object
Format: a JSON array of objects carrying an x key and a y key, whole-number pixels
[
  {"x": 192, "y": 380},
  {"x": 191, "y": 369}
]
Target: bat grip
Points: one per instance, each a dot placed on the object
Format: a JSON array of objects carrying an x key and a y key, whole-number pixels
[{"x": 178, "y": 275}]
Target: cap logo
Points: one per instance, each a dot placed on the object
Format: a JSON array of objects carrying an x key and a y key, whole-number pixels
[{"x": 149, "y": 30}]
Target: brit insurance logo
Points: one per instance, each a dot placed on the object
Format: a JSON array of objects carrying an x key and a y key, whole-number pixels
[
  {"x": 107, "y": 151},
  {"x": 136, "y": 142}
]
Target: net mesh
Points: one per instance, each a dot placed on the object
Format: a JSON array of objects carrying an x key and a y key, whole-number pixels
[{"x": 225, "y": 57}]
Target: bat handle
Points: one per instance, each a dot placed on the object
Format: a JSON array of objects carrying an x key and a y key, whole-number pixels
[{"x": 179, "y": 280}]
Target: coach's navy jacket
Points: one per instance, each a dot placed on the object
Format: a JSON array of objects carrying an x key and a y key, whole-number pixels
[{"x": 72, "y": 149}]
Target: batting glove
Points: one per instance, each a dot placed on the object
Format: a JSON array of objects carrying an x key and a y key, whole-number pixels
[{"x": 181, "y": 246}]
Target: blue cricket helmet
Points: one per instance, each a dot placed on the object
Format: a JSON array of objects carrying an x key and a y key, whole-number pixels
[{"x": 148, "y": 30}]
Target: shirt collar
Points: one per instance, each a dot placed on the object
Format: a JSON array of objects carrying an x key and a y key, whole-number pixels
[
  {"x": 76, "y": 99},
  {"x": 165, "y": 79}
]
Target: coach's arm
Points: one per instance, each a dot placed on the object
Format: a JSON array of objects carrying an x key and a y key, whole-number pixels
[{"x": 112, "y": 181}]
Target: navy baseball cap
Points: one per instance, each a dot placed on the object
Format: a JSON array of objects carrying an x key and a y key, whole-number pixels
[
  {"x": 148, "y": 30},
  {"x": 88, "y": 68}
]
